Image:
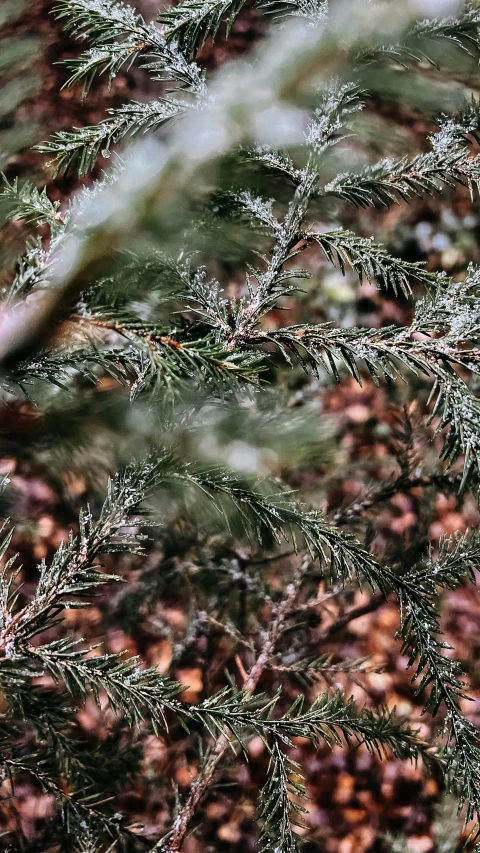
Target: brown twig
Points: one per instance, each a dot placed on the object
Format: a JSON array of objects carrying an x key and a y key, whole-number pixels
[
  {"x": 349, "y": 616},
  {"x": 401, "y": 484},
  {"x": 229, "y": 632}
]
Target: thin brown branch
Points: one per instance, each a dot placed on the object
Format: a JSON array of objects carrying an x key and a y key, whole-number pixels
[
  {"x": 37, "y": 611},
  {"x": 229, "y": 632},
  {"x": 349, "y": 616},
  {"x": 387, "y": 492}
]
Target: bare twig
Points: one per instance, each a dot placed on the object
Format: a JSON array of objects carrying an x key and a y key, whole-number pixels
[
  {"x": 400, "y": 484},
  {"x": 349, "y": 616}
]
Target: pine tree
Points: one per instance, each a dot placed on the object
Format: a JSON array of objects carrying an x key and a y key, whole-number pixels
[{"x": 127, "y": 296}]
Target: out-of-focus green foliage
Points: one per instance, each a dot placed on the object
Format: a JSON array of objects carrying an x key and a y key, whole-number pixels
[{"x": 17, "y": 82}]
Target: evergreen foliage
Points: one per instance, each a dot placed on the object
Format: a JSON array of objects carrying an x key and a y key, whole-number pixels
[{"x": 153, "y": 326}]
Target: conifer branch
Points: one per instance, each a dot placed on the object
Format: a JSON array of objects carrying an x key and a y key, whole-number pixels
[
  {"x": 453, "y": 312},
  {"x": 268, "y": 515},
  {"x": 126, "y": 340},
  {"x": 31, "y": 205},
  {"x": 73, "y": 571},
  {"x": 26, "y": 203},
  {"x": 61, "y": 365},
  {"x": 420, "y": 41},
  {"x": 326, "y": 128},
  {"x": 120, "y": 36},
  {"x": 460, "y": 31},
  {"x": 191, "y": 22},
  {"x": 371, "y": 262},
  {"x": 324, "y": 720},
  {"x": 314, "y": 11},
  {"x": 448, "y": 164},
  {"x": 420, "y": 631},
  {"x": 137, "y": 693},
  {"x": 405, "y": 482},
  {"x": 160, "y": 358},
  {"x": 79, "y": 149},
  {"x": 202, "y": 783},
  {"x": 280, "y": 807}
]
